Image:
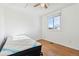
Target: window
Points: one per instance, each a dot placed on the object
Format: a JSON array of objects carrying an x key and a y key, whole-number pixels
[
  {"x": 54, "y": 22},
  {"x": 50, "y": 23}
]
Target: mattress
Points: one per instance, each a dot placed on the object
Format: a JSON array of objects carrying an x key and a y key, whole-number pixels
[{"x": 14, "y": 46}]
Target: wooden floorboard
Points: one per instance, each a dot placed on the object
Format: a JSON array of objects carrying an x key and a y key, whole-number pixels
[{"x": 53, "y": 49}]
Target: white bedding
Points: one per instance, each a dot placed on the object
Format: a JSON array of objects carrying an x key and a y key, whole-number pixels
[{"x": 14, "y": 46}]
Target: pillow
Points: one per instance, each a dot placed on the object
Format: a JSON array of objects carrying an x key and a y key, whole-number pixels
[{"x": 20, "y": 37}]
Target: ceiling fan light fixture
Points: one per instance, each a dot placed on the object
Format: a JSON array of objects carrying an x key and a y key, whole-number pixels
[{"x": 42, "y": 5}]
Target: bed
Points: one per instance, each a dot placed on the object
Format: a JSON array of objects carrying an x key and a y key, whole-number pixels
[{"x": 21, "y": 46}]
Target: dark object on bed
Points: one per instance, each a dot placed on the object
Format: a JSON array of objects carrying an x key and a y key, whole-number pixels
[
  {"x": 3, "y": 43},
  {"x": 35, "y": 51}
]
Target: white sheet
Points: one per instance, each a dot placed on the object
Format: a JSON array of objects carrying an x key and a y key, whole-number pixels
[{"x": 13, "y": 46}]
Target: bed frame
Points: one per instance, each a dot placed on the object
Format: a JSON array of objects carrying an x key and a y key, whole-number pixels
[{"x": 35, "y": 51}]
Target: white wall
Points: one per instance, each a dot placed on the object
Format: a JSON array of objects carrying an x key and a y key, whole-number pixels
[
  {"x": 18, "y": 23},
  {"x": 69, "y": 33},
  {"x": 13, "y": 22},
  {"x": 2, "y": 29}
]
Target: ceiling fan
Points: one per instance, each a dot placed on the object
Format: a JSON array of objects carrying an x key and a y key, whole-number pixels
[{"x": 42, "y": 5}]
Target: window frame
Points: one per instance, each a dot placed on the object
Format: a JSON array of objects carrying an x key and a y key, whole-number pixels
[{"x": 53, "y": 22}]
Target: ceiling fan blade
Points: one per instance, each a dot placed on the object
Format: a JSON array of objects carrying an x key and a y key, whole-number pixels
[
  {"x": 37, "y": 5},
  {"x": 46, "y": 6}
]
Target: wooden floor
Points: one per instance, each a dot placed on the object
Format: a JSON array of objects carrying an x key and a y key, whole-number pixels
[{"x": 53, "y": 49}]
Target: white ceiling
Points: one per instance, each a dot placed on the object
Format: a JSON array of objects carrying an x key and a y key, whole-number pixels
[{"x": 28, "y": 7}]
